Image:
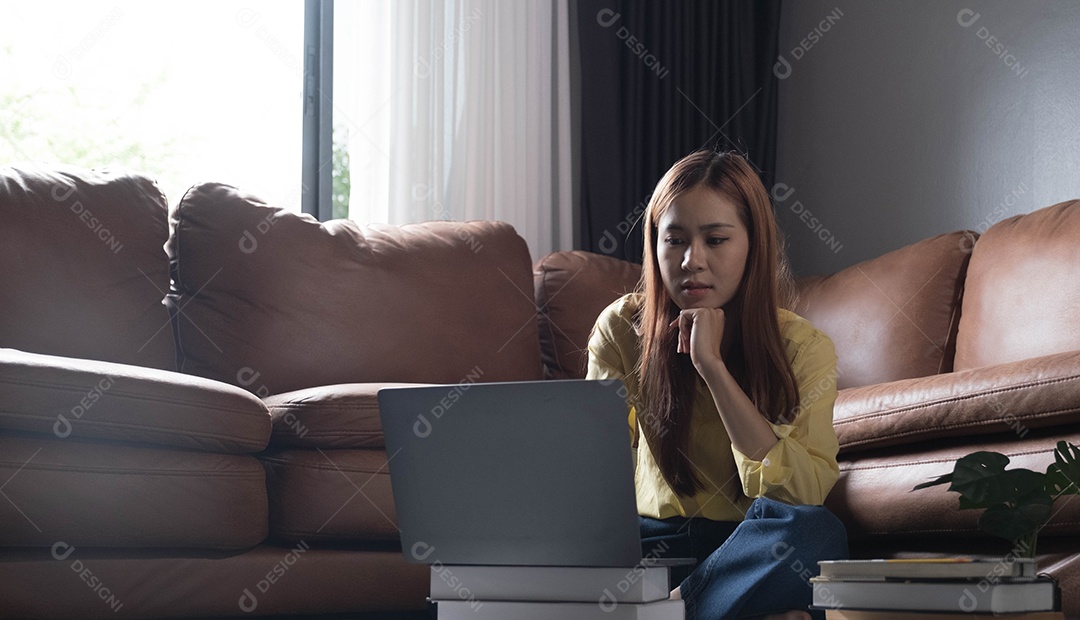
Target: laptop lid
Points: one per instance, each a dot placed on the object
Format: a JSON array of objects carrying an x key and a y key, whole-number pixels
[{"x": 529, "y": 473}]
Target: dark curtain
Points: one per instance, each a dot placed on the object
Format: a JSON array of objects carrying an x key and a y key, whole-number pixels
[{"x": 662, "y": 79}]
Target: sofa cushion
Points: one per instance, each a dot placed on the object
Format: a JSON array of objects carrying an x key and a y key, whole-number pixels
[
  {"x": 874, "y": 497},
  {"x": 1022, "y": 290},
  {"x": 572, "y": 289},
  {"x": 892, "y": 317},
  {"x": 66, "y": 397},
  {"x": 298, "y": 581},
  {"x": 82, "y": 268},
  {"x": 332, "y": 416},
  {"x": 274, "y": 301},
  {"x": 1016, "y": 397},
  {"x": 330, "y": 495},
  {"x": 111, "y": 495}
]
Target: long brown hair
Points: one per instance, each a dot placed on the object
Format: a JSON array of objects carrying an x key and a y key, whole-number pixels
[{"x": 757, "y": 359}]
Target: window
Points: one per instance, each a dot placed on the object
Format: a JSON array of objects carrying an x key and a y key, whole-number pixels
[
  {"x": 181, "y": 91},
  {"x": 363, "y": 102}
]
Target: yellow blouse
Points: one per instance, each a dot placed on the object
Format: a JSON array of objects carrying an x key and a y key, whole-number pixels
[{"x": 800, "y": 469}]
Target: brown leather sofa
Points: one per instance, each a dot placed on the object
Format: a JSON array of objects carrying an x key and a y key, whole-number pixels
[{"x": 188, "y": 425}]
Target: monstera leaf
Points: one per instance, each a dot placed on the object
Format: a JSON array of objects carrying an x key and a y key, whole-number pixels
[
  {"x": 1013, "y": 522},
  {"x": 1017, "y": 502},
  {"x": 1063, "y": 475},
  {"x": 981, "y": 479}
]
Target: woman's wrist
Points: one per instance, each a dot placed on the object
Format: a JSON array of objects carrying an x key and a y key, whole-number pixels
[{"x": 714, "y": 371}]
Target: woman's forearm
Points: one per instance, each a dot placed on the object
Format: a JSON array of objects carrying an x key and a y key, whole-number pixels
[{"x": 747, "y": 428}]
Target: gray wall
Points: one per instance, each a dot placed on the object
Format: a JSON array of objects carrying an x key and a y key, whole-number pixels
[{"x": 903, "y": 120}]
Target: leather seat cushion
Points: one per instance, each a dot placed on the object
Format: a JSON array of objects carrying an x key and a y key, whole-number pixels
[
  {"x": 112, "y": 495},
  {"x": 1014, "y": 397},
  {"x": 82, "y": 269},
  {"x": 572, "y": 289},
  {"x": 342, "y": 495},
  {"x": 330, "y": 417},
  {"x": 274, "y": 302},
  {"x": 66, "y": 397},
  {"x": 892, "y": 317}
]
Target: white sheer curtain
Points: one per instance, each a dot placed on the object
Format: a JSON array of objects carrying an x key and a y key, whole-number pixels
[{"x": 476, "y": 124}]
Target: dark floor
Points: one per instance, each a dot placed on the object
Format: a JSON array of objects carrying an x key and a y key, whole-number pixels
[{"x": 412, "y": 615}]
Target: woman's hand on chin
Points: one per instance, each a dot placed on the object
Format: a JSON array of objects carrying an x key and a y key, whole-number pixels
[{"x": 701, "y": 332}]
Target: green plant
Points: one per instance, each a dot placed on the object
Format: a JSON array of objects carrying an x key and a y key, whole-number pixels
[
  {"x": 1017, "y": 502},
  {"x": 341, "y": 179}
]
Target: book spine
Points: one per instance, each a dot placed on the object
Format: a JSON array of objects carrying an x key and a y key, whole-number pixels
[
  {"x": 520, "y": 583},
  {"x": 522, "y": 610},
  {"x": 962, "y": 596}
]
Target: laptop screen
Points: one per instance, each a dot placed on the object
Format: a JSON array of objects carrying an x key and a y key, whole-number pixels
[{"x": 529, "y": 473}]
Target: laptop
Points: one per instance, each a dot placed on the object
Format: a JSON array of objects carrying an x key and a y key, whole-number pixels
[{"x": 534, "y": 473}]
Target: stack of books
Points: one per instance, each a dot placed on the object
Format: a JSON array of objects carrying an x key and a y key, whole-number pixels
[
  {"x": 552, "y": 593},
  {"x": 935, "y": 589}
]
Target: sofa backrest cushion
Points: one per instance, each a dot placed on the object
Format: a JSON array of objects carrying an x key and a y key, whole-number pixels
[
  {"x": 83, "y": 271},
  {"x": 892, "y": 317},
  {"x": 572, "y": 289},
  {"x": 1022, "y": 294},
  {"x": 274, "y": 301}
]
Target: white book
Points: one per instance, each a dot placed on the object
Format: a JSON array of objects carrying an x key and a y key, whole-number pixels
[
  {"x": 860, "y": 614},
  {"x": 946, "y": 596},
  {"x": 550, "y": 583},
  {"x": 511, "y": 610},
  {"x": 931, "y": 568}
]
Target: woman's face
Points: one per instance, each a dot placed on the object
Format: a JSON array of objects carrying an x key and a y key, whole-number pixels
[{"x": 701, "y": 245}]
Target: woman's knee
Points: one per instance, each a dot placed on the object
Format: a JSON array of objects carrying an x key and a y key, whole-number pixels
[
  {"x": 820, "y": 532},
  {"x": 808, "y": 531}
]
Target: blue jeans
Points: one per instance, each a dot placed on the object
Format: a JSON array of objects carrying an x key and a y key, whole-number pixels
[{"x": 755, "y": 567}]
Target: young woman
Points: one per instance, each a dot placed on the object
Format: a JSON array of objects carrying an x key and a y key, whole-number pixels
[{"x": 731, "y": 398}]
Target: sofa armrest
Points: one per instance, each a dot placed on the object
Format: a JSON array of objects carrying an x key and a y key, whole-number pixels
[
  {"x": 1018, "y": 396},
  {"x": 63, "y": 396}
]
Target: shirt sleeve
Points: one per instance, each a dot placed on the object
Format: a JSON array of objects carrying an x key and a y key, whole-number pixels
[
  {"x": 607, "y": 361},
  {"x": 801, "y": 468}
]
